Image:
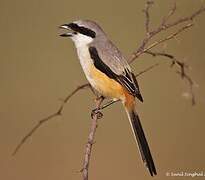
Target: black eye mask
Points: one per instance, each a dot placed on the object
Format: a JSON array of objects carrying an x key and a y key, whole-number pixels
[{"x": 82, "y": 30}]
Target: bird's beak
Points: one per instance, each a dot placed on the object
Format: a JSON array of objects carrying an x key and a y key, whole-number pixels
[{"x": 66, "y": 34}]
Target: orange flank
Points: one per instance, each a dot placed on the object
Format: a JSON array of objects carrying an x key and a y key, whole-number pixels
[
  {"x": 110, "y": 88},
  {"x": 106, "y": 86},
  {"x": 129, "y": 100}
]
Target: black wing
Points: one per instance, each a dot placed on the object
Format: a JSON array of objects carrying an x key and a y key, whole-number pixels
[{"x": 128, "y": 79}]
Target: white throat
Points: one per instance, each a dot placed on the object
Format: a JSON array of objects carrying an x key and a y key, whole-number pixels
[{"x": 81, "y": 40}]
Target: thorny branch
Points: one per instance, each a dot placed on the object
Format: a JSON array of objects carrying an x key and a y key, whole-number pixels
[{"x": 144, "y": 48}]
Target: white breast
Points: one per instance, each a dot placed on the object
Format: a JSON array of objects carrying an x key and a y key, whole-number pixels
[
  {"x": 85, "y": 59},
  {"x": 81, "y": 43}
]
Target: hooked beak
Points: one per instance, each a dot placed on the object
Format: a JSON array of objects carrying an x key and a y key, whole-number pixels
[{"x": 66, "y": 34}]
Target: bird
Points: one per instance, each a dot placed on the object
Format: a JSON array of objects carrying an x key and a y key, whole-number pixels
[{"x": 109, "y": 73}]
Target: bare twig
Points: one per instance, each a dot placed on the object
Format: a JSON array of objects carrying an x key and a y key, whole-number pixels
[
  {"x": 154, "y": 54},
  {"x": 44, "y": 120},
  {"x": 182, "y": 71},
  {"x": 146, "y": 11},
  {"x": 190, "y": 81},
  {"x": 163, "y": 27},
  {"x": 185, "y": 19},
  {"x": 171, "y": 13},
  {"x": 166, "y": 38},
  {"x": 95, "y": 116},
  {"x": 147, "y": 69}
]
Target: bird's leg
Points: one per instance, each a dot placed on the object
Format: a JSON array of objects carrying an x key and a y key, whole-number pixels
[
  {"x": 108, "y": 104},
  {"x": 105, "y": 105}
]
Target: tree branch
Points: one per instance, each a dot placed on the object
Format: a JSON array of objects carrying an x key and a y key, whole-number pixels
[
  {"x": 44, "y": 120},
  {"x": 88, "y": 149},
  {"x": 166, "y": 38},
  {"x": 182, "y": 71},
  {"x": 164, "y": 26},
  {"x": 61, "y": 108}
]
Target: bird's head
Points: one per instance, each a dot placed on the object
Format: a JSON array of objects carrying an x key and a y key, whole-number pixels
[{"x": 82, "y": 32}]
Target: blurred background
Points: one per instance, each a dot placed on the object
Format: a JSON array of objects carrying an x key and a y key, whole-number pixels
[{"x": 38, "y": 68}]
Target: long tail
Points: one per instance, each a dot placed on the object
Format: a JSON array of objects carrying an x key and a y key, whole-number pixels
[{"x": 140, "y": 136}]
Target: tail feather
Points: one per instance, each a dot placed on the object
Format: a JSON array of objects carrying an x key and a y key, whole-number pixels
[{"x": 141, "y": 140}]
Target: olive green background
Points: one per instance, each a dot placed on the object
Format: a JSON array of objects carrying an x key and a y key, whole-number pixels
[{"x": 38, "y": 68}]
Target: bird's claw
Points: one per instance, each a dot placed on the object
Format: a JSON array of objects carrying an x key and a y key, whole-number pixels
[{"x": 96, "y": 112}]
